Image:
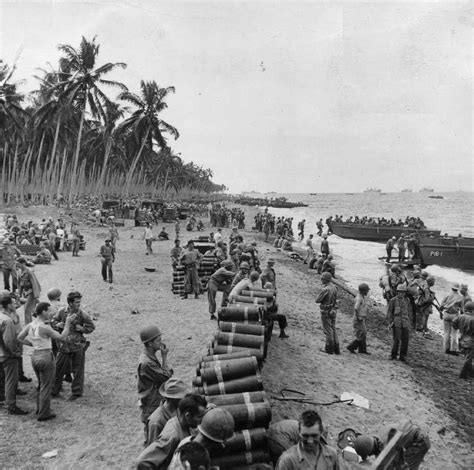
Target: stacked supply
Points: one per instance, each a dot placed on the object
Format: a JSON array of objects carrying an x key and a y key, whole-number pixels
[
  {"x": 233, "y": 381},
  {"x": 206, "y": 268},
  {"x": 169, "y": 214},
  {"x": 230, "y": 378},
  {"x": 271, "y": 305},
  {"x": 177, "y": 285}
]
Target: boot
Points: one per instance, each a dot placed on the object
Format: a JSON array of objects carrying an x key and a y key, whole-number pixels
[
  {"x": 363, "y": 347},
  {"x": 353, "y": 346}
]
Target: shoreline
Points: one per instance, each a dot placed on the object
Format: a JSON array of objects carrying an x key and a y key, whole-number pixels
[{"x": 102, "y": 429}]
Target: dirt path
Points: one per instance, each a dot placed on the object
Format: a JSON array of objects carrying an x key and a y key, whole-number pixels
[{"x": 102, "y": 429}]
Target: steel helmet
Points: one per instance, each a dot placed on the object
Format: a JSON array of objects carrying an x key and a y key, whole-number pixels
[
  {"x": 364, "y": 287},
  {"x": 217, "y": 425},
  {"x": 149, "y": 333},
  {"x": 402, "y": 288},
  {"x": 244, "y": 265},
  {"x": 254, "y": 275},
  {"x": 430, "y": 280},
  {"x": 326, "y": 277},
  {"x": 54, "y": 294},
  {"x": 469, "y": 306},
  {"x": 364, "y": 445}
]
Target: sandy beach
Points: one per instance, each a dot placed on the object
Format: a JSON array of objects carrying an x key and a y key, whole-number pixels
[{"x": 102, "y": 429}]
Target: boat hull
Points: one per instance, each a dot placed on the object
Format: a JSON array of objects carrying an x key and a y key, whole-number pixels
[
  {"x": 452, "y": 253},
  {"x": 374, "y": 233}
]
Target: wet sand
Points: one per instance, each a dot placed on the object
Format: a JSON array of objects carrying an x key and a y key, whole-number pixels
[{"x": 103, "y": 430}]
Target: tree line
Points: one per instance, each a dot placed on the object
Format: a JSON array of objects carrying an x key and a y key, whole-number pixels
[{"x": 69, "y": 138}]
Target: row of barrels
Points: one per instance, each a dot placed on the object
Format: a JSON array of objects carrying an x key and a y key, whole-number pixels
[
  {"x": 230, "y": 377},
  {"x": 206, "y": 269}
]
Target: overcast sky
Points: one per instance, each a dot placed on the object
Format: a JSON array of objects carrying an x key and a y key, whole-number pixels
[{"x": 285, "y": 96}]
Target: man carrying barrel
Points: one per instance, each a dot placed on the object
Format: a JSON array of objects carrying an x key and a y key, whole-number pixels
[
  {"x": 220, "y": 281},
  {"x": 327, "y": 299}
]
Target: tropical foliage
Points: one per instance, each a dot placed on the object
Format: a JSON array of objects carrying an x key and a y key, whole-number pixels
[{"x": 71, "y": 136}]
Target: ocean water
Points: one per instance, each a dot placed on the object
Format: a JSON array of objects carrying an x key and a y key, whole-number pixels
[{"x": 357, "y": 261}]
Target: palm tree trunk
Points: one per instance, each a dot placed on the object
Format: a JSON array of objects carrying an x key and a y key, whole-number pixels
[
  {"x": 108, "y": 149},
  {"x": 166, "y": 182},
  {"x": 134, "y": 164},
  {"x": 76, "y": 157},
  {"x": 61, "y": 175}
]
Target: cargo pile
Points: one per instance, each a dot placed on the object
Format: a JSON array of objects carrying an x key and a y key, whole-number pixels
[
  {"x": 229, "y": 376},
  {"x": 207, "y": 267}
]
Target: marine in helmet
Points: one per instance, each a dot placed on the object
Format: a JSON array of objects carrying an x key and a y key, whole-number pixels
[
  {"x": 242, "y": 273},
  {"x": 159, "y": 453},
  {"x": 151, "y": 372},
  {"x": 72, "y": 351},
  {"x": 327, "y": 300},
  {"x": 107, "y": 257},
  {"x": 465, "y": 324},
  {"x": 399, "y": 316},
  {"x": 312, "y": 450},
  {"x": 449, "y": 309},
  {"x": 416, "y": 447},
  {"x": 269, "y": 274},
  {"x": 361, "y": 308},
  {"x": 217, "y": 426},
  {"x": 220, "y": 281}
]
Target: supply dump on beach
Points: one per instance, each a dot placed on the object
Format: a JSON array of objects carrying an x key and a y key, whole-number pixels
[
  {"x": 156, "y": 313},
  {"x": 102, "y": 428}
]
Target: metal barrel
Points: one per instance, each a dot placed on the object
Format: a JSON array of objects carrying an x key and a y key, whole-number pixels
[
  {"x": 242, "y": 299},
  {"x": 247, "y": 439},
  {"x": 230, "y": 327},
  {"x": 250, "y": 415},
  {"x": 250, "y": 383},
  {"x": 223, "y": 357},
  {"x": 261, "y": 289},
  {"x": 226, "y": 348},
  {"x": 220, "y": 371},
  {"x": 260, "y": 294},
  {"x": 231, "y": 461},
  {"x": 239, "y": 339},
  {"x": 243, "y": 314},
  {"x": 237, "y": 398}
]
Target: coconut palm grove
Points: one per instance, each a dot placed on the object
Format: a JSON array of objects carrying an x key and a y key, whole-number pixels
[{"x": 82, "y": 132}]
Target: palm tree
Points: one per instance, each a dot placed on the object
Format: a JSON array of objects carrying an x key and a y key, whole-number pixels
[
  {"x": 82, "y": 88},
  {"x": 145, "y": 125}
]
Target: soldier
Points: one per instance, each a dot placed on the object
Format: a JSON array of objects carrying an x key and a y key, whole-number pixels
[
  {"x": 72, "y": 350},
  {"x": 399, "y": 315},
  {"x": 328, "y": 305},
  {"x": 219, "y": 281},
  {"x": 9, "y": 254},
  {"x": 151, "y": 372},
  {"x": 107, "y": 253},
  {"x": 465, "y": 324},
  {"x": 360, "y": 316},
  {"x": 30, "y": 288}
]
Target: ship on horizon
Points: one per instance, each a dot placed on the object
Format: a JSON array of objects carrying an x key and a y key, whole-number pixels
[
  {"x": 373, "y": 190},
  {"x": 426, "y": 190},
  {"x": 407, "y": 190}
]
